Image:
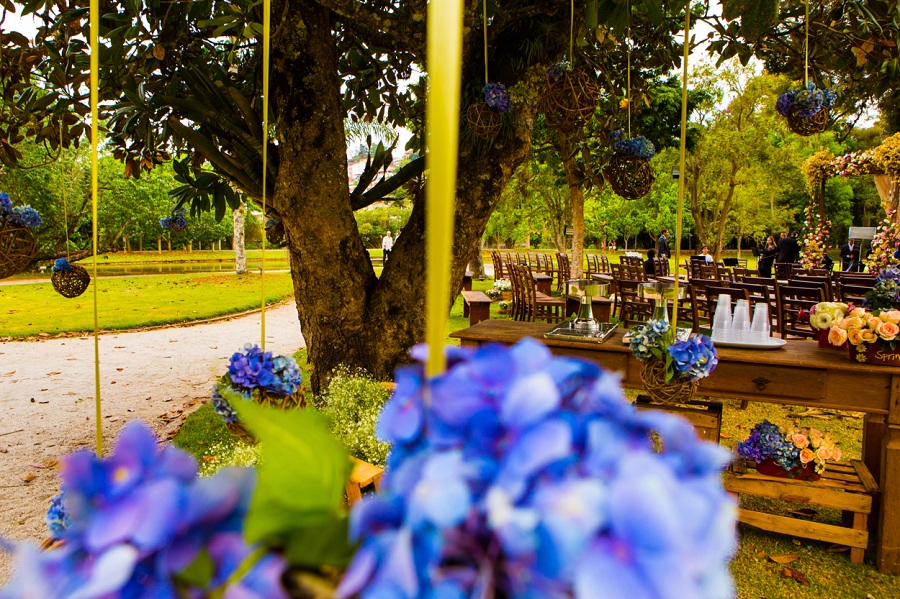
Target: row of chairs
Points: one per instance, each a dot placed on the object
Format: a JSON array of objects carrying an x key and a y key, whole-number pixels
[
  {"x": 544, "y": 263},
  {"x": 528, "y": 303}
]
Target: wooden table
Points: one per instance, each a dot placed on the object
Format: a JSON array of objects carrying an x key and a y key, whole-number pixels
[
  {"x": 542, "y": 282},
  {"x": 799, "y": 374}
]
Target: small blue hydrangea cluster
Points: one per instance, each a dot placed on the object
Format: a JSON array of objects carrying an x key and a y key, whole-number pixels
[
  {"x": 61, "y": 265},
  {"x": 639, "y": 146},
  {"x": 556, "y": 71},
  {"x": 132, "y": 522},
  {"x": 254, "y": 368},
  {"x": 222, "y": 407},
  {"x": 689, "y": 360},
  {"x": 885, "y": 294},
  {"x": 20, "y": 216},
  {"x": 176, "y": 222},
  {"x": 526, "y": 476},
  {"x": 807, "y": 102},
  {"x": 768, "y": 441},
  {"x": 497, "y": 98}
]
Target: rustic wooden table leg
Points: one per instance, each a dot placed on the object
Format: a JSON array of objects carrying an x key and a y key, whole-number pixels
[{"x": 889, "y": 525}]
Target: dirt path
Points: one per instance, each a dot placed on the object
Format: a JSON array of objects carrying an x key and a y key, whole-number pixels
[{"x": 47, "y": 391}]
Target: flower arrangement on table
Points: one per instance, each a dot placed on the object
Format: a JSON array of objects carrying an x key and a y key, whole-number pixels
[
  {"x": 806, "y": 109},
  {"x": 815, "y": 237},
  {"x": 823, "y": 315},
  {"x": 17, "y": 243},
  {"x": 629, "y": 173},
  {"x": 885, "y": 294},
  {"x": 671, "y": 368},
  {"x": 788, "y": 453},
  {"x": 485, "y": 119},
  {"x": 176, "y": 222},
  {"x": 518, "y": 474},
  {"x": 258, "y": 376},
  {"x": 887, "y": 237},
  {"x": 864, "y": 329}
]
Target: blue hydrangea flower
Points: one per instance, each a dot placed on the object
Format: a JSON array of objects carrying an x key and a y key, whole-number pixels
[
  {"x": 24, "y": 216},
  {"x": 646, "y": 337},
  {"x": 496, "y": 97},
  {"x": 222, "y": 407},
  {"x": 166, "y": 223},
  {"x": 252, "y": 370},
  {"x": 639, "y": 146},
  {"x": 768, "y": 441},
  {"x": 5, "y": 204},
  {"x": 695, "y": 358},
  {"x": 525, "y": 475},
  {"x": 785, "y": 103},
  {"x": 135, "y": 520},
  {"x": 556, "y": 71},
  {"x": 61, "y": 265},
  {"x": 807, "y": 102}
]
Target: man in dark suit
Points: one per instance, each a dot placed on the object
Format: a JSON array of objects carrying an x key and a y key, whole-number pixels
[
  {"x": 662, "y": 245},
  {"x": 847, "y": 254},
  {"x": 788, "y": 248}
]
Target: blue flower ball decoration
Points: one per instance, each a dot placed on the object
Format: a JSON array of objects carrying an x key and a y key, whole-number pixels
[
  {"x": 20, "y": 216},
  {"x": 133, "y": 521},
  {"x": 808, "y": 102},
  {"x": 166, "y": 223},
  {"x": 556, "y": 71},
  {"x": 497, "y": 98},
  {"x": 5, "y": 204},
  {"x": 639, "y": 146},
  {"x": 528, "y": 476},
  {"x": 62, "y": 265}
]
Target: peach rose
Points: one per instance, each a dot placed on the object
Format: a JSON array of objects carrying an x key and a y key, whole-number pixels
[
  {"x": 858, "y": 312},
  {"x": 873, "y": 323},
  {"x": 837, "y": 336},
  {"x": 854, "y": 336},
  {"x": 854, "y": 322},
  {"x": 836, "y": 453},
  {"x": 888, "y": 331},
  {"x": 824, "y": 453},
  {"x": 892, "y": 316},
  {"x": 799, "y": 440},
  {"x": 868, "y": 335},
  {"x": 806, "y": 455}
]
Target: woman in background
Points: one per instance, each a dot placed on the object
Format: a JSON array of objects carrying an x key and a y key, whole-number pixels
[{"x": 767, "y": 258}]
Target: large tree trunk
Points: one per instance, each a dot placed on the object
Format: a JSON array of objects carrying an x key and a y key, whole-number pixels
[
  {"x": 576, "y": 200},
  {"x": 240, "y": 255}
]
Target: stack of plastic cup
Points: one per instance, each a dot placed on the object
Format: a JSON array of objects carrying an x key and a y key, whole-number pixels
[
  {"x": 759, "y": 329},
  {"x": 721, "y": 328},
  {"x": 740, "y": 325}
]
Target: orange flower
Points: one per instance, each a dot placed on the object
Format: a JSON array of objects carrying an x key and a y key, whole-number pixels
[
  {"x": 799, "y": 440},
  {"x": 888, "y": 330},
  {"x": 806, "y": 456},
  {"x": 868, "y": 335},
  {"x": 854, "y": 336},
  {"x": 837, "y": 336},
  {"x": 624, "y": 103},
  {"x": 836, "y": 453},
  {"x": 824, "y": 453}
]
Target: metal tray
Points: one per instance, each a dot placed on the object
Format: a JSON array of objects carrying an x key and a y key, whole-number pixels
[{"x": 565, "y": 332}]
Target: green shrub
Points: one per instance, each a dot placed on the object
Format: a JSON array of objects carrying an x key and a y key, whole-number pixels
[{"x": 353, "y": 402}]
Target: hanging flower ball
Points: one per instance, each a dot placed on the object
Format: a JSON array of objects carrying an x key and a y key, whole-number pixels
[
  {"x": 62, "y": 265},
  {"x": 525, "y": 475},
  {"x": 17, "y": 243},
  {"x": 556, "y": 71},
  {"x": 496, "y": 97},
  {"x": 806, "y": 109},
  {"x": 69, "y": 280},
  {"x": 176, "y": 222}
]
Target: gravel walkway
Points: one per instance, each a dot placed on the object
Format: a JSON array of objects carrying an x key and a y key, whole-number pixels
[{"x": 47, "y": 391}]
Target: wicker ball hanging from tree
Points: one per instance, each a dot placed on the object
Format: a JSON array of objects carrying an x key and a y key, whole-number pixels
[
  {"x": 69, "y": 280},
  {"x": 806, "y": 110},
  {"x": 629, "y": 173},
  {"x": 570, "y": 99},
  {"x": 18, "y": 246},
  {"x": 275, "y": 232},
  {"x": 486, "y": 118}
]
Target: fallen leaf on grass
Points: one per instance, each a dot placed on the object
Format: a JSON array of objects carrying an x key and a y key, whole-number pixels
[
  {"x": 210, "y": 458},
  {"x": 784, "y": 558},
  {"x": 805, "y": 513},
  {"x": 51, "y": 463},
  {"x": 797, "y": 575},
  {"x": 28, "y": 477},
  {"x": 53, "y": 373},
  {"x": 838, "y": 548},
  {"x": 724, "y": 435}
]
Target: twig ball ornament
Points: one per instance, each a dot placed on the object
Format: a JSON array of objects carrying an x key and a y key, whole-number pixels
[
  {"x": 807, "y": 126},
  {"x": 629, "y": 176},
  {"x": 570, "y": 99},
  {"x": 653, "y": 375},
  {"x": 69, "y": 280},
  {"x": 483, "y": 121},
  {"x": 275, "y": 232},
  {"x": 18, "y": 248},
  {"x": 806, "y": 110},
  {"x": 176, "y": 222}
]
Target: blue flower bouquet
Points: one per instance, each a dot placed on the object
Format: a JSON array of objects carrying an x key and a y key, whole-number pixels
[
  {"x": 17, "y": 243},
  {"x": 672, "y": 369},
  {"x": 176, "y": 222},
  {"x": 257, "y": 375},
  {"x": 806, "y": 109}
]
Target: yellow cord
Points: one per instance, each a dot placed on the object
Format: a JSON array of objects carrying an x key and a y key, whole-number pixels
[
  {"x": 628, "y": 93},
  {"x": 806, "y": 50},
  {"x": 95, "y": 160},
  {"x": 572, "y": 33},
  {"x": 681, "y": 160},
  {"x": 62, "y": 185},
  {"x": 487, "y": 81},
  {"x": 265, "y": 140}
]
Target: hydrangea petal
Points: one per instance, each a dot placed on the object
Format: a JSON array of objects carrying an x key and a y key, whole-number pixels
[
  {"x": 109, "y": 573},
  {"x": 529, "y": 400}
]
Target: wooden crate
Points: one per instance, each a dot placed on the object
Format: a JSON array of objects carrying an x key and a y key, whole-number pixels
[
  {"x": 363, "y": 475},
  {"x": 847, "y": 486},
  {"x": 706, "y": 417}
]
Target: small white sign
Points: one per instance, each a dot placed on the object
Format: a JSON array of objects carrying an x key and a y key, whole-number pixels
[{"x": 866, "y": 233}]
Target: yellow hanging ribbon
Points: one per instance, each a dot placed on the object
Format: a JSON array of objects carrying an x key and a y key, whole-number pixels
[
  {"x": 572, "y": 33},
  {"x": 95, "y": 161},
  {"x": 442, "y": 129},
  {"x": 681, "y": 159},
  {"x": 62, "y": 186},
  {"x": 265, "y": 141},
  {"x": 484, "y": 27},
  {"x": 806, "y": 50}
]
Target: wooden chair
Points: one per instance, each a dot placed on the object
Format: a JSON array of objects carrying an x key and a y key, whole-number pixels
[
  {"x": 784, "y": 271},
  {"x": 712, "y": 298},
  {"x": 661, "y": 267},
  {"x": 563, "y": 271},
  {"x": 536, "y": 305},
  {"x": 633, "y": 308},
  {"x": 709, "y": 271},
  {"x": 790, "y": 300},
  {"x": 854, "y": 294},
  {"x": 739, "y": 271},
  {"x": 815, "y": 282},
  {"x": 604, "y": 265},
  {"x": 593, "y": 264},
  {"x": 500, "y": 270}
]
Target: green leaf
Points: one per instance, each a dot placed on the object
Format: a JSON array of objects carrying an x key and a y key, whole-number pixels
[
  {"x": 654, "y": 11},
  {"x": 326, "y": 545},
  {"x": 756, "y": 15},
  {"x": 302, "y": 474},
  {"x": 200, "y": 572}
]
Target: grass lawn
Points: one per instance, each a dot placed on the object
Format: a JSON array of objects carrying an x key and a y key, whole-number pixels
[{"x": 131, "y": 302}]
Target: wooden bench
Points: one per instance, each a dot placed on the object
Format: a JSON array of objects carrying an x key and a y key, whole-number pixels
[
  {"x": 705, "y": 417},
  {"x": 363, "y": 475},
  {"x": 847, "y": 486},
  {"x": 477, "y": 306}
]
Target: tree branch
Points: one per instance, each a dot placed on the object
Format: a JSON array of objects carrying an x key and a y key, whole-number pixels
[
  {"x": 402, "y": 30},
  {"x": 411, "y": 169}
]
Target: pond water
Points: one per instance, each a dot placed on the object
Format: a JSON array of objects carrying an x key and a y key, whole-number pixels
[{"x": 180, "y": 267}]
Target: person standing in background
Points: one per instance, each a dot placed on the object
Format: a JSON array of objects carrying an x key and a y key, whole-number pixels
[
  {"x": 847, "y": 254},
  {"x": 789, "y": 249},
  {"x": 387, "y": 244},
  {"x": 662, "y": 245},
  {"x": 767, "y": 258}
]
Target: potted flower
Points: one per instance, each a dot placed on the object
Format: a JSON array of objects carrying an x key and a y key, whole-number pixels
[
  {"x": 806, "y": 110},
  {"x": 873, "y": 337},
  {"x": 486, "y": 118},
  {"x": 628, "y": 172},
  {"x": 885, "y": 294},
  {"x": 504, "y": 286},
  {"x": 17, "y": 243},
  {"x": 256, "y": 375},
  {"x": 821, "y": 318},
  {"x": 672, "y": 369},
  {"x": 788, "y": 453},
  {"x": 503, "y": 307}
]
